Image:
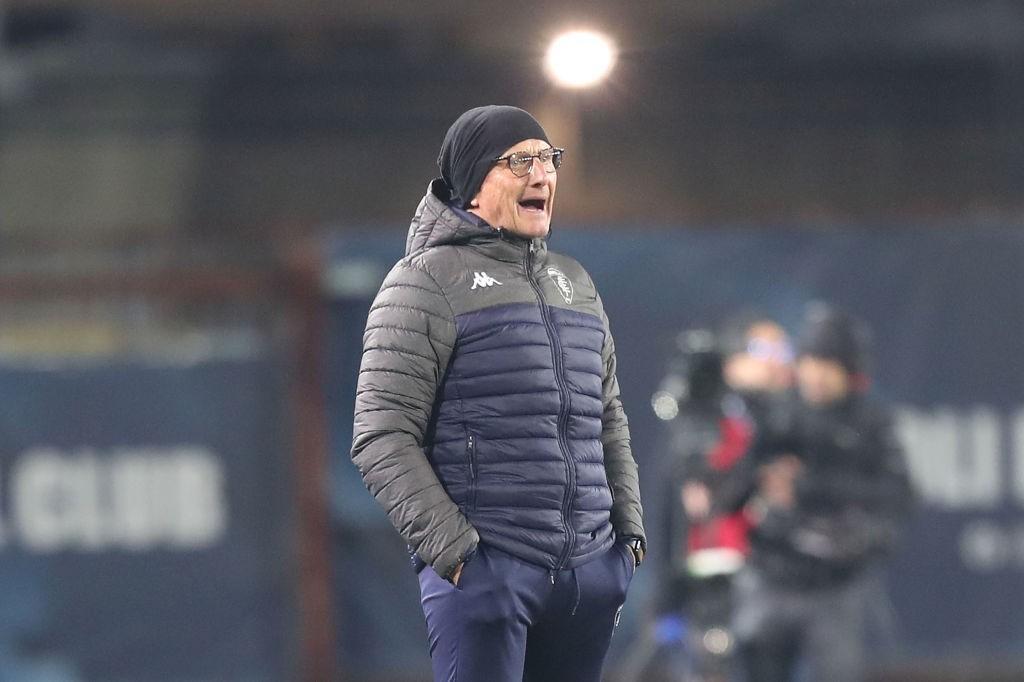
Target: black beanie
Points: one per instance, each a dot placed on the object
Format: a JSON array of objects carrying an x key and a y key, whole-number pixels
[
  {"x": 477, "y": 138},
  {"x": 834, "y": 335}
]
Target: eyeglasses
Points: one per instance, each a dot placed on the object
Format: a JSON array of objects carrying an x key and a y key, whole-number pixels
[{"x": 521, "y": 163}]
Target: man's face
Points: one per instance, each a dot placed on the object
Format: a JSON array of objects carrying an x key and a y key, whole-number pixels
[
  {"x": 765, "y": 365},
  {"x": 821, "y": 381},
  {"x": 520, "y": 205}
]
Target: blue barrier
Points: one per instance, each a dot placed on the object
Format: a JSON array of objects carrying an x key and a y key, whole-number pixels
[{"x": 145, "y": 533}]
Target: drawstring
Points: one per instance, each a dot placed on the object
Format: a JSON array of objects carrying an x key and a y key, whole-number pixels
[
  {"x": 575, "y": 585},
  {"x": 576, "y": 600}
]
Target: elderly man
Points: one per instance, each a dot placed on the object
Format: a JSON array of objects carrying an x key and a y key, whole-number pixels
[{"x": 488, "y": 422}]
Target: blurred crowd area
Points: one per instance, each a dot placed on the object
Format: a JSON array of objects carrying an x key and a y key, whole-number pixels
[
  {"x": 198, "y": 202},
  {"x": 148, "y": 120}
]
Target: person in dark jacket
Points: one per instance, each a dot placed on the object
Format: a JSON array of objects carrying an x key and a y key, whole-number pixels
[
  {"x": 488, "y": 422},
  {"x": 832, "y": 491}
]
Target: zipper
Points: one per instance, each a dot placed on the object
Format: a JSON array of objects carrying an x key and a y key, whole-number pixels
[
  {"x": 563, "y": 410},
  {"x": 471, "y": 450}
]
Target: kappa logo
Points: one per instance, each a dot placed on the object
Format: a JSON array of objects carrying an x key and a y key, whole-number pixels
[
  {"x": 482, "y": 279},
  {"x": 562, "y": 283}
]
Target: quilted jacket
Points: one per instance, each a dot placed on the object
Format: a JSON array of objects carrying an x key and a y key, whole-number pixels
[{"x": 487, "y": 406}]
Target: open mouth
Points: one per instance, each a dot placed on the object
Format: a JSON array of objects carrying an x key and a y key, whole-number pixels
[{"x": 533, "y": 204}]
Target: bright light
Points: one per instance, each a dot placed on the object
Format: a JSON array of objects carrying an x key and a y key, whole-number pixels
[
  {"x": 580, "y": 59},
  {"x": 665, "y": 405}
]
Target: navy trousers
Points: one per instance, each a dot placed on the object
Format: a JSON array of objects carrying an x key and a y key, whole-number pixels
[{"x": 511, "y": 621}]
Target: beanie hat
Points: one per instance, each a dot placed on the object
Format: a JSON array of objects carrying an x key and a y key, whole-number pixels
[
  {"x": 477, "y": 138},
  {"x": 834, "y": 335}
]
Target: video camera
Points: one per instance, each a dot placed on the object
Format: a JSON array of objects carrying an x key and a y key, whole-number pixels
[{"x": 694, "y": 377}]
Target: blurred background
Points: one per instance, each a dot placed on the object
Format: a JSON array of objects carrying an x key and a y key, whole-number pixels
[{"x": 198, "y": 200}]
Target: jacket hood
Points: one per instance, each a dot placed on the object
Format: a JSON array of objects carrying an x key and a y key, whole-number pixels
[{"x": 436, "y": 223}]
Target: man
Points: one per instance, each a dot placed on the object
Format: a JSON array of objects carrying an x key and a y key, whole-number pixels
[
  {"x": 832, "y": 490},
  {"x": 488, "y": 421}
]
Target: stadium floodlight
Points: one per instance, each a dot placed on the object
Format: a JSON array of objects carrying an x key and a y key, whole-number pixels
[{"x": 580, "y": 59}]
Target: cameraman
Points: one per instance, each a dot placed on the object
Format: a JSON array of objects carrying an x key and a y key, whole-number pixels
[{"x": 830, "y": 491}]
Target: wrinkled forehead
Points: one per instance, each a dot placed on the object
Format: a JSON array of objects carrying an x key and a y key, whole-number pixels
[{"x": 529, "y": 146}]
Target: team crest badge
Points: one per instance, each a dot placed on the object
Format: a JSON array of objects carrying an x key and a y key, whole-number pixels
[{"x": 562, "y": 283}]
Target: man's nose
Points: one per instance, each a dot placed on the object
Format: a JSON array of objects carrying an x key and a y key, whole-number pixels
[{"x": 538, "y": 173}]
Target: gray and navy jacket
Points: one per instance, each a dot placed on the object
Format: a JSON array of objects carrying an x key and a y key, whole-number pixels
[{"x": 487, "y": 407}]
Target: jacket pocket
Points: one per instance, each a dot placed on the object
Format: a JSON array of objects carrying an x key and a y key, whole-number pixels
[{"x": 471, "y": 446}]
